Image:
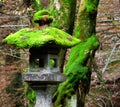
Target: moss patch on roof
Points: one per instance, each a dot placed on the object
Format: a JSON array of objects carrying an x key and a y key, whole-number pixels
[{"x": 27, "y": 38}]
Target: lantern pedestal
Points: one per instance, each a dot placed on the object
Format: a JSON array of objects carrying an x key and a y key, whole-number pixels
[
  {"x": 44, "y": 95},
  {"x": 44, "y": 85}
]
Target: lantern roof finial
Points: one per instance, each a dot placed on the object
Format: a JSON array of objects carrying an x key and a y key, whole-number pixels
[{"x": 42, "y": 17}]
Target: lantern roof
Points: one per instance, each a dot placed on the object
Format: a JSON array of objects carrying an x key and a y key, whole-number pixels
[{"x": 38, "y": 37}]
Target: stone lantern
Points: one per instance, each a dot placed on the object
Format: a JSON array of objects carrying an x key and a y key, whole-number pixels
[{"x": 44, "y": 43}]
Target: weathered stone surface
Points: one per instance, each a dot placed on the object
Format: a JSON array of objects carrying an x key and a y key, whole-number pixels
[
  {"x": 43, "y": 78},
  {"x": 44, "y": 95}
]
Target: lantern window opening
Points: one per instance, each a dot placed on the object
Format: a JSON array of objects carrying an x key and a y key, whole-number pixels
[
  {"x": 53, "y": 61},
  {"x": 41, "y": 63}
]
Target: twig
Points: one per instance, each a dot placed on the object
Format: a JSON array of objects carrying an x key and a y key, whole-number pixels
[
  {"x": 105, "y": 21},
  {"x": 109, "y": 58},
  {"x": 13, "y": 26}
]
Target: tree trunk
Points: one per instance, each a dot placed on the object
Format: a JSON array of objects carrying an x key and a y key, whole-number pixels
[
  {"x": 78, "y": 66},
  {"x": 85, "y": 25}
]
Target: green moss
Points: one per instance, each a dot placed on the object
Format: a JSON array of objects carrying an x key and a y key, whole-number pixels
[
  {"x": 66, "y": 1},
  {"x": 62, "y": 92},
  {"x": 30, "y": 94},
  {"x": 91, "y": 5},
  {"x": 41, "y": 12},
  {"x": 38, "y": 16},
  {"x": 38, "y": 4},
  {"x": 80, "y": 53},
  {"x": 61, "y": 16},
  {"x": 27, "y": 38},
  {"x": 57, "y": 16},
  {"x": 76, "y": 68},
  {"x": 34, "y": 5},
  {"x": 86, "y": 26}
]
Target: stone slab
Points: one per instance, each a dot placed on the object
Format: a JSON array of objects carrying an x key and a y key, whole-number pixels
[{"x": 43, "y": 78}]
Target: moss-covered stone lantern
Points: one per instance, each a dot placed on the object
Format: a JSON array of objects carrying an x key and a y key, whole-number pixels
[{"x": 44, "y": 43}]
